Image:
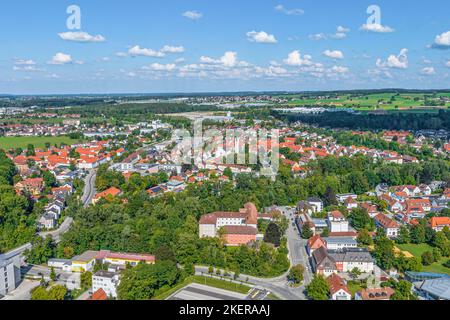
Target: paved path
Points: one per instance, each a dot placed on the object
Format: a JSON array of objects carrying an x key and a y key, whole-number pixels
[{"x": 89, "y": 188}]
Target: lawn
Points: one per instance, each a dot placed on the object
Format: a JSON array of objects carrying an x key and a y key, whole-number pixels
[
  {"x": 212, "y": 282},
  {"x": 418, "y": 249},
  {"x": 38, "y": 142},
  {"x": 354, "y": 287}
]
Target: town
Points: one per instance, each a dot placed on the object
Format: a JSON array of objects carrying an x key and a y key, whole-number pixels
[{"x": 350, "y": 215}]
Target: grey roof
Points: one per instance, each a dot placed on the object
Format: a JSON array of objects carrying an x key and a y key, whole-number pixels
[
  {"x": 344, "y": 240},
  {"x": 319, "y": 222},
  {"x": 105, "y": 274},
  {"x": 439, "y": 288},
  {"x": 314, "y": 199},
  {"x": 351, "y": 255}
]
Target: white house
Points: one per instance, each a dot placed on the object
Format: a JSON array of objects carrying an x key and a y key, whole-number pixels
[
  {"x": 108, "y": 281},
  {"x": 337, "y": 222}
]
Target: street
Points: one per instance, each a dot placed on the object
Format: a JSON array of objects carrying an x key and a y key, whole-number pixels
[{"x": 89, "y": 188}]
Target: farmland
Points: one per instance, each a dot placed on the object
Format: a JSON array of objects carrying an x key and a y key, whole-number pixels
[
  {"x": 377, "y": 101},
  {"x": 38, "y": 142}
]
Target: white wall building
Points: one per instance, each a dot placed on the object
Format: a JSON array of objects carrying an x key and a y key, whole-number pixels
[{"x": 108, "y": 281}]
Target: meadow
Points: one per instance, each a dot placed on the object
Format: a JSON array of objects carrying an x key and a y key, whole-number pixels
[{"x": 38, "y": 142}]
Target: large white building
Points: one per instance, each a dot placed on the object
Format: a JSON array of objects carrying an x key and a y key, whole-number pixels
[
  {"x": 337, "y": 222},
  {"x": 10, "y": 263},
  {"x": 108, "y": 281},
  {"x": 211, "y": 223}
]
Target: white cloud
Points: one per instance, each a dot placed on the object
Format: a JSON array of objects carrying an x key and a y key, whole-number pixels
[
  {"x": 261, "y": 37},
  {"x": 160, "y": 67},
  {"x": 138, "y": 51},
  {"x": 295, "y": 59},
  {"x": 399, "y": 62},
  {"x": 448, "y": 63},
  {"x": 81, "y": 36},
  {"x": 60, "y": 59},
  {"x": 335, "y": 54},
  {"x": 27, "y": 68},
  {"x": 24, "y": 62},
  {"x": 339, "y": 69},
  {"x": 341, "y": 33},
  {"x": 229, "y": 59},
  {"x": 318, "y": 36},
  {"x": 121, "y": 54},
  {"x": 289, "y": 12},
  {"x": 428, "y": 71},
  {"x": 342, "y": 29},
  {"x": 375, "y": 27},
  {"x": 193, "y": 15},
  {"x": 442, "y": 41},
  {"x": 172, "y": 49}
]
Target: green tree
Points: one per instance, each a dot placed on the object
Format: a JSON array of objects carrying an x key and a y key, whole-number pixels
[
  {"x": 403, "y": 235},
  {"x": 306, "y": 232},
  {"x": 318, "y": 289},
  {"x": 142, "y": 281},
  {"x": 417, "y": 234},
  {"x": 296, "y": 274},
  {"x": 53, "y": 274},
  {"x": 273, "y": 234},
  {"x": 364, "y": 238},
  {"x": 86, "y": 280},
  {"x": 360, "y": 219},
  {"x": 427, "y": 258}
]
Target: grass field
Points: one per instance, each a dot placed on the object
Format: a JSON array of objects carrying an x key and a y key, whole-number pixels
[
  {"x": 418, "y": 249},
  {"x": 212, "y": 282},
  {"x": 38, "y": 142},
  {"x": 380, "y": 101}
]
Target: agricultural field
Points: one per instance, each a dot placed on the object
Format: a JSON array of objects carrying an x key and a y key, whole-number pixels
[
  {"x": 38, "y": 142},
  {"x": 418, "y": 249},
  {"x": 379, "y": 101}
]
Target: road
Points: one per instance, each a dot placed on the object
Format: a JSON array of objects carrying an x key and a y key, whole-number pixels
[
  {"x": 56, "y": 234},
  {"x": 89, "y": 188},
  {"x": 297, "y": 245}
]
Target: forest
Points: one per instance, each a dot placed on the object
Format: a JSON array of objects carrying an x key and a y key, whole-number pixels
[
  {"x": 391, "y": 121},
  {"x": 17, "y": 217}
]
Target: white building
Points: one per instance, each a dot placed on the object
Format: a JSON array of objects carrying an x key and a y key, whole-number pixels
[
  {"x": 337, "y": 222},
  {"x": 316, "y": 203},
  {"x": 10, "y": 263},
  {"x": 108, "y": 281}
]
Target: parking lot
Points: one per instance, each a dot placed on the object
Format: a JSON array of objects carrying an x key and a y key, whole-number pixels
[{"x": 196, "y": 291}]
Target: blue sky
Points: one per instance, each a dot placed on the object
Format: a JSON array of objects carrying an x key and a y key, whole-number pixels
[{"x": 203, "y": 46}]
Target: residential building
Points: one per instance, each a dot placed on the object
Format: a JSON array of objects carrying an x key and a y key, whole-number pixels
[
  {"x": 340, "y": 243},
  {"x": 106, "y": 281},
  {"x": 338, "y": 288},
  {"x": 337, "y": 222},
  {"x": 375, "y": 294},
  {"x": 389, "y": 225},
  {"x": 314, "y": 243},
  {"x": 109, "y": 193},
  {"x": 316, "y": 203},
  {"x": 439, "y": 223},
  {"x": 241, "y": 222}
]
